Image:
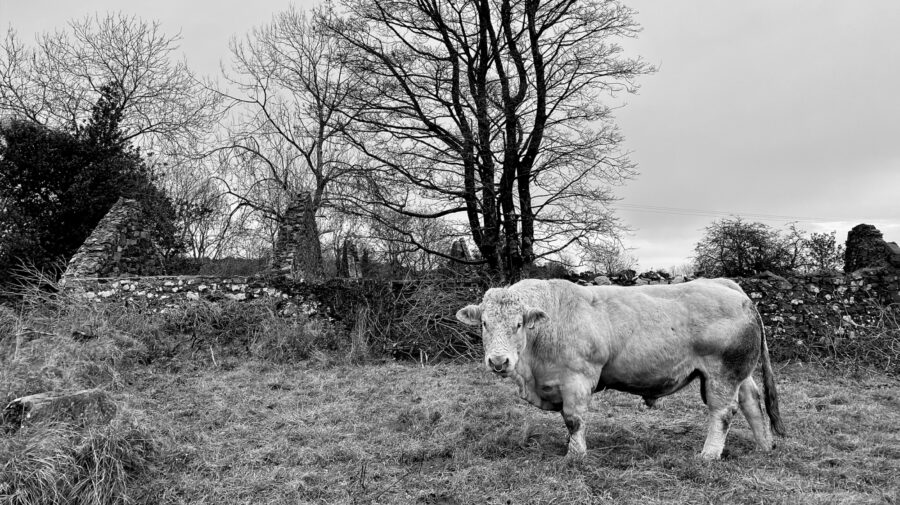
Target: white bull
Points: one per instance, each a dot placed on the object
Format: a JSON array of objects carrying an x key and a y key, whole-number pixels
[{"x": 561, "y": 342}]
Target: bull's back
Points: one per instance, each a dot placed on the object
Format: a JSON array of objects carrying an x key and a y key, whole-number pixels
[{"x": 662, "y": 336}]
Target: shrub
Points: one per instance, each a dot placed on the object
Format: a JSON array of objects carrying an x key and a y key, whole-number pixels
[
  {"x": 245, "y": 328},
  {"x": 875, "y": 345},
  {"x": 413, "y": 319}
]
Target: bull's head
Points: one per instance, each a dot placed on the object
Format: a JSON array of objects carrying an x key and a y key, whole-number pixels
[{"x": 505, "y": 322}]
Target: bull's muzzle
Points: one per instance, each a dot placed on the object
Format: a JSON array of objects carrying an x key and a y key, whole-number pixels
[{"x": 498, "y": 364}]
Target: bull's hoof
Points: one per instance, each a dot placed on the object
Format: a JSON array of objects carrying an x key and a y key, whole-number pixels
[
  {"x": 575, "y": 450},
  {"x": 709, "y": 456},
  {"x": 573, "y": 458}
]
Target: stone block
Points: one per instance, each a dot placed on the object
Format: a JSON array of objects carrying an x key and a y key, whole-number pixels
[{"x": 89, "y": 407}]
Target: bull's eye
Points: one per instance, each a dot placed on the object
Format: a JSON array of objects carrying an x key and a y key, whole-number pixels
[{"x": 519, "y": 325}]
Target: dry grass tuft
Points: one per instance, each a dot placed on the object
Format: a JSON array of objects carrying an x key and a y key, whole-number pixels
[
  {"x": 52, "y": 362},
  {"x": 60, "y": 464},
  {"x": 56, "y": 342}
]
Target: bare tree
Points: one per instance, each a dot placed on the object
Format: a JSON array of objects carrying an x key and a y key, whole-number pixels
[
  {"x": 684, "y": 269},
  {"x": 492, "y": 110},
  {"x": 792, "y": 244},
  {"x": 289, "y": 83},
  {"x": 161, "y": 106},
  {"x": 733, "y": 247},
  {"x": 389, "y": 238},
  {"x": 56, "y": 83},
  {"x": 204, "y": 213},
  {"x": 608, "y": 257}
]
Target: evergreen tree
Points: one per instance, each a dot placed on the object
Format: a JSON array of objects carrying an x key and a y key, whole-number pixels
[{"x": 55, "y": 186}]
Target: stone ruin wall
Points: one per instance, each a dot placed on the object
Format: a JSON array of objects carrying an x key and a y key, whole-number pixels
[
  {"x": 120, "y": 245},
  {"x": 297, "y": 253},
  {"x": 822, "y": 310},
  {"x": 866, "y": 248}
]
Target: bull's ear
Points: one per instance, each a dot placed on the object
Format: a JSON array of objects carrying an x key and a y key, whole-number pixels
[
  {"x": 470, "y": 314},
  {"x": 533, "y": 316}
]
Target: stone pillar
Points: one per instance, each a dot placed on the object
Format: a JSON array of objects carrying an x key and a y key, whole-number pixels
[
  {"x": 354, "y": 271},
  {"x": 90, "y": 407},
  {"x": 365, "y": 264},
  {"x": 893, "y": 254},
  {"x": 459, "y": 250},
  {"x": 298, "y": 253},
  {"x": 348, "y": 264}
]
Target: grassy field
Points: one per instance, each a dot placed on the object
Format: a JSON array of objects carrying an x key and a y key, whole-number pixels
[
  {"x": 230, "y": 405},
  {"x": 253, "y": 432}
]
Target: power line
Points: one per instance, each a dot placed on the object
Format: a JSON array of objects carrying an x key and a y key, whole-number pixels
[{"x": 679, "y": 211}]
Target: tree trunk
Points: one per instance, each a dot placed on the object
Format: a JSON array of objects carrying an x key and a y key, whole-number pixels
[
  {"x": 527, "y": 215},
  {"x": 512, "y": 258}
]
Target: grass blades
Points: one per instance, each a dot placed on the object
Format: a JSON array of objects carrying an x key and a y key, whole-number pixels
[{"x": 263, "y": 433}]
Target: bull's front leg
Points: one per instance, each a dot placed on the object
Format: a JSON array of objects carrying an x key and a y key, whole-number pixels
[{"x": 576, "y": 397}]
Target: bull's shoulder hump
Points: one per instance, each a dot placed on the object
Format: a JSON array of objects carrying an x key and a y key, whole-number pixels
[
  {"x": 549, "y": 293},
  {"x": 528, "y": 284},
  {"x": 529, "y": 288},
  {"x": 544, "y": 286},
  {"x": 719, "y": 281}
]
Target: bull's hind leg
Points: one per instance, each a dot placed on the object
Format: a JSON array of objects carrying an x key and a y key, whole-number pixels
[
  {"x": 752, "y": 407},
  {"x": 721, "y": 399}
]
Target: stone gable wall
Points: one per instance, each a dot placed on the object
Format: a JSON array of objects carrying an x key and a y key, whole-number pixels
[{"x": 120, "y": 245}]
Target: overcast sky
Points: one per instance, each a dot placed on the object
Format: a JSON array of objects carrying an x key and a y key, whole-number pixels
[{"x": 775, "y": 110}]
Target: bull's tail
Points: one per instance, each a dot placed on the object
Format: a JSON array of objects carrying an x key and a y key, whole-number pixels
[{"x": 769, "y": 392}]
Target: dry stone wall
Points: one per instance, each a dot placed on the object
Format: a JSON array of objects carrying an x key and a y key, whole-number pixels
[
  {"x": 823, "y": 311},
  {"x": 804, "y": 306},
  {"x": 803, "y": 315},
  {"x": 170, "y": 291}
]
